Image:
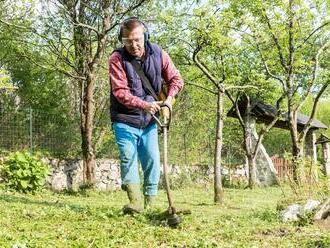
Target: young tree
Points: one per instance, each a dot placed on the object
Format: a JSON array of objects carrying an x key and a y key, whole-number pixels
[
  {"x": 292, "y": 39},
  {"x": 212, "y": 51},
  {"x": 226, "y": 62}
]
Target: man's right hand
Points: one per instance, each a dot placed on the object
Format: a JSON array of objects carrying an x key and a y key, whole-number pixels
[{"x": 153, "y": 107}]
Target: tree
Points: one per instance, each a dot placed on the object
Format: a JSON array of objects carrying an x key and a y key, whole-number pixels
[
  {"x": 292, "y": 39},
  {"x": 225, "y": 62},
  {"x": 77, "y": 34},
  {"x": 210, "y": 51}
]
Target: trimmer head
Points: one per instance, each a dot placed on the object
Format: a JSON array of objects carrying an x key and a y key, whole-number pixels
[{"x": 174, "y": 220}]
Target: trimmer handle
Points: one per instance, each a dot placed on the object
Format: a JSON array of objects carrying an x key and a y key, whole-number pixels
[{"x": 167, "y": 119}]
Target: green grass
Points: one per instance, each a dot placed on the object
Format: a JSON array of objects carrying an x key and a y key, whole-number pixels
[{"x": 248, "y": 218}]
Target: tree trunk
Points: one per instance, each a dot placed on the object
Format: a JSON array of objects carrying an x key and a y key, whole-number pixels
[
  {"x": 82, "y": 47},
  {"x": 323, "y": 211},
  {"x": 218, "y": 189},
  {"x": 87, "y": 119},
  {"x": 249, "y": 145},
  {"x": 297, "y": 149},
  {"x": 252, "y": 172}
]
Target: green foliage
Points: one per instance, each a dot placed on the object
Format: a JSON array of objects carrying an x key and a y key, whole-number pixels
[
  {"x": 181, "y": 181},
  {"x": 305, "y": 219},
  {"x": 318, "y": 242},
  {"x": 290, "y": 34},
  {"x": 311, "y": 179},
  {"x": 4, "y": 79},
  {"x": 236, "y": 183},
  {"x": 277, "y": 142},
  {"x": 187, "y": 178},
  {"x": 324, "y": 113},
  {"x": 51, "y": 96},
  {"x": 268, "y": 215},
  {"x": 24, "y": 172}
]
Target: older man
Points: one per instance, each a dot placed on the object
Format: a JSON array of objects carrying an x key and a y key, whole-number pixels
[{"x": 132, "y": 105}]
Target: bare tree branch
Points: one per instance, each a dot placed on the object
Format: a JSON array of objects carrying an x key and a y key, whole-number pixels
[
  {"x": 314, "y": 75},
  {"x": 290, "y": 61},
  {"x": 202, "y": 87},
  {"x": 266, "y": 129},
  {"x": 276, "y": 41},
  {"x": 16, "y": 26},
  {"x": 53, "y": 47},
  {"x": 263, "y": 132},
  {"x": 102, "y": 41},
  {"x": 242, "y": 87},
  {"x": 124, "y": 13},
  {"x": 307, "y": 126},
  {"x": 266, "y": 65},
  {"x": 312, "y": 33},
  {"x": 204, "y": 68},
  {"x": 79, "y": 24},
  {"x": 235, "y": 104},
  {"x": 223, "y": 68},
  {"x": 54, "y": 68}
]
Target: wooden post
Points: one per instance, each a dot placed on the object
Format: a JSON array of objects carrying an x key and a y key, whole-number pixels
[
  {"x": 326, "y": 156},
  {"x": 310, "y": 146},
  {"x": 324, "y": 140}
]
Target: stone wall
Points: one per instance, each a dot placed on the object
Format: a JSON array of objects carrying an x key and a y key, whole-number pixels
[{"x": 68, "y": 174}]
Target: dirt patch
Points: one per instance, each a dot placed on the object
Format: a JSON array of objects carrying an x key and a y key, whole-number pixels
[
  {"x": 275, "y": 232},
  {"x": 280, "y": 232},
  {"x": 324, "y": 224}
]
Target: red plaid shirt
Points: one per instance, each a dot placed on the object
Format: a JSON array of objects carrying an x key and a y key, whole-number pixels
[{"x": 120, "y": 87}]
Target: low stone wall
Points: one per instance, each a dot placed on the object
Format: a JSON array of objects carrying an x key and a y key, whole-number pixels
[{"x": 68, "y": 174}]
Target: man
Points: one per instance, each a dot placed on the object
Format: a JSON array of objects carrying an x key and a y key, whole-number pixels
[{"x": 132, "y": 105}]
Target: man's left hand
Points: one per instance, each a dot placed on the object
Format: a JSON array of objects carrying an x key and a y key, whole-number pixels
[{"x": 168, "y": 101}]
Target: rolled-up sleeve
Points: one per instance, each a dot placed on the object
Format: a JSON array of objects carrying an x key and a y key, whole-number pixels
[
  {"x": 119, "y": 84},
  {"x": 171, "y": 75}
]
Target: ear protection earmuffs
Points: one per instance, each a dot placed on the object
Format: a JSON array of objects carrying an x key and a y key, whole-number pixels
[{"x": 121, "y": 27}]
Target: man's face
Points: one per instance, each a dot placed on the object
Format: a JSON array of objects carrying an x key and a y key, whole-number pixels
[{"x": 134, "y": 41}]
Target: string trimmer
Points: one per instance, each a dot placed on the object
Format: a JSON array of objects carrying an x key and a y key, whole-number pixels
[{"x": 173, "y": 220}]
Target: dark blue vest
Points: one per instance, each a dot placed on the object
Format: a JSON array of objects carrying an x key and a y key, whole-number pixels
[{"x": 152, "y": 67}]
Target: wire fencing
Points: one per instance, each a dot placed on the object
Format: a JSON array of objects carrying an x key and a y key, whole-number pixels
[
  {"x": 59, "y": 135},
  {"x": 35, "y": 130}
]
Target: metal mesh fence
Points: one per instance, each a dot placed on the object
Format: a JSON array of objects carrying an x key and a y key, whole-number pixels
[
  {"x": 35, "y": 130},
  {"x": 59, "y": 136}
]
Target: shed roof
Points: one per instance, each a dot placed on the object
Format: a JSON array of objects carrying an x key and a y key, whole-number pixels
[{"x": 265, "y": 113}]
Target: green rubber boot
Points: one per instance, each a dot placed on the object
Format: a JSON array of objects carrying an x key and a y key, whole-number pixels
[
  {"x": 135, "y": 199},
  {"x": 149, "y": 201}
]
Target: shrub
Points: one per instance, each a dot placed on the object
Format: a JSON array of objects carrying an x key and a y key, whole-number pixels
[
  {"x": 24, "y": 172},
  {"x": 311, "y": 182}
]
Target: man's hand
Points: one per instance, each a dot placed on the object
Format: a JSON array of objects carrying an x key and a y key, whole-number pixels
[
  {"x": 169, "y": 101},
  {"x": 153, "y": 107}
]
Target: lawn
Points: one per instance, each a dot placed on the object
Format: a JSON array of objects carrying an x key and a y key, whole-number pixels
[{"x": 248, "y": 218}]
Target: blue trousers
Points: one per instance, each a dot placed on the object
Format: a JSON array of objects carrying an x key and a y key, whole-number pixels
[{"x": 138, "y": 144}]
